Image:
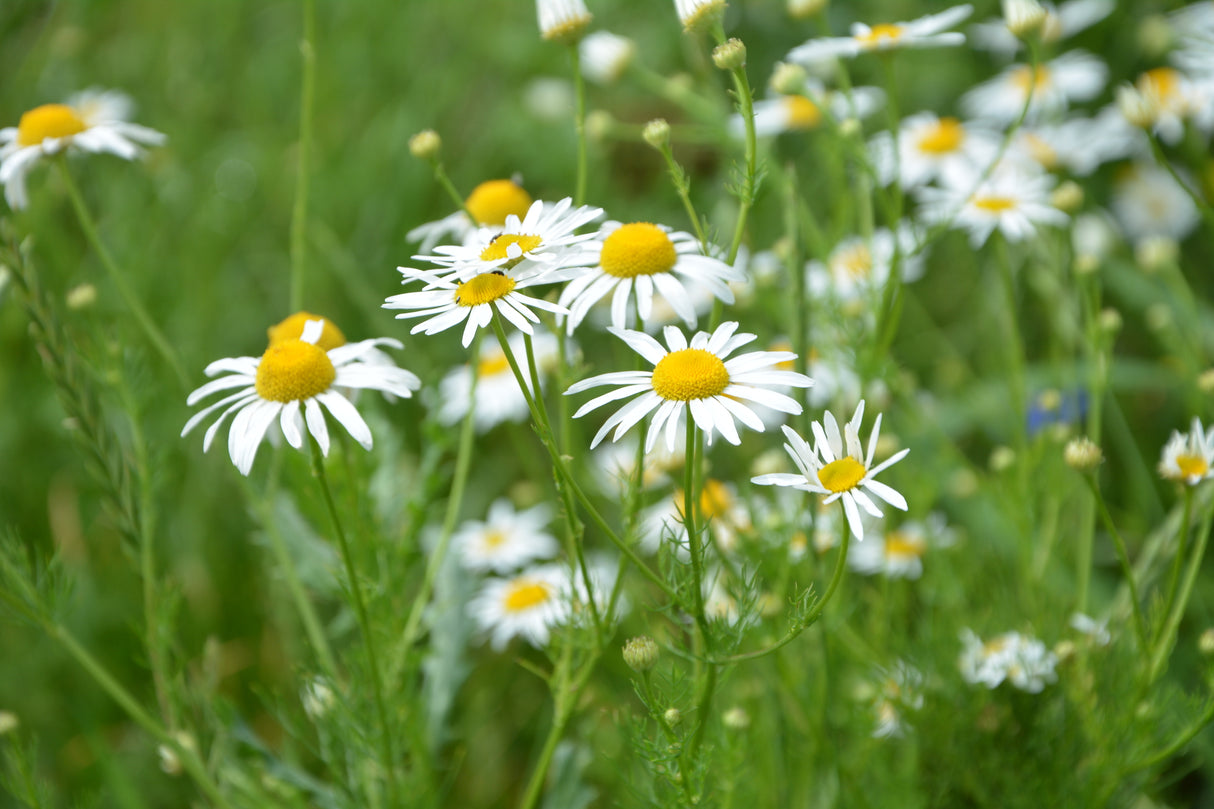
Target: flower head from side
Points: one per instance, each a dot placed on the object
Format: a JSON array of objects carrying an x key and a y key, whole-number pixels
[
  {"x": 638, "y": 260},
  {"x": 696, "y": 377},
  {"x": 498, "y": 397},
  {"x": 490, "y": 203},
  {"x": 1188, "y": 457},
  {"x": 97, "y": 125},
  {"x": 562, "y": 20},
  {"x": 507, "y": 539},
  {"x": 528, "y": 605},
  {"x": 1013, "y": 202},
  {"x": 294, "y": 382},
  {"x": 1023, "y": 661},
  {"x": 838, "y": 467},
  {"x": 698, "y": 15},
  {"x": 925, "y": 32}
]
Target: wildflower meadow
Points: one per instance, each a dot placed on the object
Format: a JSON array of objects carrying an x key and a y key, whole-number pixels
[{"x": 606, "y": 403}]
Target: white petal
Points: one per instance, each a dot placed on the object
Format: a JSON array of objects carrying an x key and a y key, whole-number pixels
[{"x": 316, "y": 424}]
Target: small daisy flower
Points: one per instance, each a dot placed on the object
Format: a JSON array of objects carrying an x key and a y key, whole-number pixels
[
  {"x": 1162, "y": 100},
  {"x": 1012, "y": 202},
  {"x": 897, "y": 554},
  {"x": 294, "y": 382},
  {"x": 925, "y": 32},
  {"x": 802, "y": 111},
  {"x": 1024, "y": 662},
  {"x": 1188, "y": 457},
  {"x": 638, "y": 259},
  {"x": 562, "y": 20},
  {"x": 1074, "y": 76},
  {"x": 857, "y": 266},
  {"x": 1076, "y": 145},
  {"x": 837, "y": 467},
  {"x": 507, "y": 539},
  {"x": 898, "y": 689},
  {"x": 52, "y": 128},
  {"x": 447, "y": 302},
  {"x": 545, "y": 235},
  {"x": 605, "y": 56},
  {"x": 498, "y": 397},
  {"x": 696, "y": 377},
  {"x": 720, "y": 509},
  {"x": 696, "y": 15},
  {"x": 614, "y": 465},
  {"x": 528, "y": 605},
  {"x": 292, "y": 327},
  {"x": 490, "y": 203},
  {"x": 933, "y": 148},
  {"x": 1148, "y": 203}
]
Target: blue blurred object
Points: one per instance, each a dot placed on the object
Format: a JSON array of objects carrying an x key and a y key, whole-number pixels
[{"x": 1050, "y": 407}]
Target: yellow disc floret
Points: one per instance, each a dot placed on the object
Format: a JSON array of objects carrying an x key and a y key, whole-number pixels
[
  {"x": 499, "y": 248},
  {"x": 48, "y": 121},
  {"x": 994, "y": 204},
  {"x": 637, "y": 249},
  {"x": 524, "y": 595},
  {"x": 484, "y": 288},
  {"x": 293, "y": 370},
  {"x": 842, "y": 475},
  {"x": 1192, "y": 465},
  {"x": 292, "y": 329},
  {"x": 944, "y": 137},
  {"x": 691, "y": 373},
  {"x": 492, "y": 365},
  {"x": 802, "y": 113},
  {"x": 493, "y": 200},
  {"x": 899, "y": 545},
  {"x": 885, "y": 31}
]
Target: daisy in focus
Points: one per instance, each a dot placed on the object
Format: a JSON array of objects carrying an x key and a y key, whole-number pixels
[
  {"x": 1072, "y": 77},
  {"x": 837, "y": 467},
  {"x": 506, "y": 539},
  {"x": 1188, "y": 457},
  {"x": 695, "y": 378},
  {"x": 294, "y": 382},
  {"x": 926, "y": 32},
  {"x": 635, "y": 261},
  {"x": 528, "y": 605},
  {"x": 1014, "y": 203},
  {"x": 498, "y": 397},
  {"x": 1023, "y": 661},
  {"x": 490, "y": 203},
  {"x": 90, "y": 122}
]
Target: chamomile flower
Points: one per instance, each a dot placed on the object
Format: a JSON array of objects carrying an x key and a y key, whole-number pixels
[
  {"x": 447, "y": 301},
  {"x": 697, "y": 15},
  {"x": 1188, "y": 457},
  {"x": 1061, "y": 21},
  {"x": 1023, "y": 661},
  {"x": 1077, "y": 145},
  {"x": 527, "y": 605},
  {"x": 1012, "y": 202},
  {"x": 292, "y": 327},
  {"x": 490, "y": 203},
  {"x": 605, "y": 56},
  {"x": 696, "y": 378},
  {"x": 720, "y": 509},
  {"x": 898, "y": 554},
  {"x": 857, "y": 266},
  {"x": 931, "y": 148},
  {"x": 1074, "y": 76},
  {"x": 295, "y": 382},
  {"x": 803, "y": 111},
  {"x": 639, "y": 259},
  {"x": 507, "y": 539},
  {"x": 1149, "y": 203},
  {"x": 44, "y": 131},
  {"x": 545, "y": 236},
  {"x": 926, "y": 32},
  {"x": 1162, "y": 100},
  {"x": 837, "y": 467},
  {"x": 896, "y": 691},
  {"x": 562, "y": 20},
  {"x": 615, "y": 464},
  {"x": 498, "y": 396}
]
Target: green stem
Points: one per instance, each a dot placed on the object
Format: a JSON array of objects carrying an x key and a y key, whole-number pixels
[
  {"x": 1182, "y": 541},
  {"x": 1207, "y": 212},
  {"x": 1168, "y": 636},
  {"x": 579, "y": 123},
  {"x": 150, "y": 330},
  {"x": 440, "y": 174},
  {"x": 360, "y": 606},
  {"x": 746, "y": 194},
  {"x": 683, "y": 187},
  {"x": 1140, "y": 631},
  {"x": 299, "y": 214},
  {"x": 708, "y": 670}
]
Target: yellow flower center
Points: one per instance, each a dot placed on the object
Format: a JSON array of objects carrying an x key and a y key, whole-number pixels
[
  {"x": 1041, "y": 151},
  {"x": 715, "y": 500},
  {"x": 1192, "y": 465},
  {"x": 945, "y": 136},
  {"x": 994, "y": 204},
  {"x": 48, "y": 121},
  {"x": 1022, "y": 75},
  {"x": 484, "y": 288},
  {"x": 293, "y": 370},
  {"x": 494, "y": 539},
  {"x": 498, "y": 248},
  {"x": 492, "y": 365},
  {"x": 1161, "y": 82},
  {"x": 493, "y": 200},
  {"x": 842, "y": 475},
  {"x": 885, "y": 31},
  {"x": 903, "y": 546},
  {"x": 526, "y": 594},
  {"x": 292, "y": 329},
  {"x": 855, "y": 262},
  {"x": 691, "y": 373},
  {"x": 802, "y": 113},
  {"x": 637, "y": 249}
]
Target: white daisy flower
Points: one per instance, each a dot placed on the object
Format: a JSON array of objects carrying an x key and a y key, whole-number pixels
[
  {"x": 720, "y": 509},
  {"x": 544, "y": 236},
  {"x": 498, "y": 396},
  {"x": 605, "y": 56},
  {"x": 1149, "y": 203},
  {"x": 490, "y": 203},
  {"x": 898, "y": 689},
  {"x": 836, "y": 466},
  {"x": 447, "y": 302},
  {"x": 898, "y": 554},
  {"x": 933, "y": 148},
  {"x": 290, "y": 377},
  {"x": 638, "y": 259},
  {"x": 1024, "y": 662},
  {"x": 1163, "y": 98},
  {"x": 802, "y": 111},
  {"x": 1095, "y": 630},
  {"x": 925, "y": 32},
  {"x": 698, "y": 14},
  {"x": 614, "y": 465},
  {"x": 1076, "y": 145},
  {"x": 1061, "y": 21},
  {"x": 1012, "y": 202},
  {"x": 506, "y": 539},
  {"x": 696, "y": 377},
  {"x": 562, "y": 20},
  {"x": 1072, "y": 77},
  {"x": 528, "y": 605},
  {"x": 1188, "y": 457},
  {"x": 52, "y": 128},
  {"x": 857, "y": 266},
  {"x": 1195, "y": 55}
]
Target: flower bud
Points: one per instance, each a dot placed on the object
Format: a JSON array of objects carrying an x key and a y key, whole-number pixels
[
  {"x": 1156, "y": 252},
  {"x": 1110, "y": 321},
  {"x": 1002, "y": 458},
  {"x": 8, "y": 722},
  {"x": 1067, "y": 197},
  {"x": 81, "y": 297},
  {"x": 1082, "y": 455},
  {"x": 640, "y": 653},
  {"x": 657, "y": 133},
  {"x": 803, "y": 9},
  {"x": 598, "y": 125},
  {"x": 1205, "y": 381},
  {"x": 1205, "y": 643},
  {"x": 788, "y": 79},
  {"x": 729, "y": 55},
  {"x": 425, "y": 145},
  {"x": 673, "y": 717},
  {"x": 736, "y": 719},
  {"x": 169, "y": 761},
  {"x": 1023, "y": 17}
]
